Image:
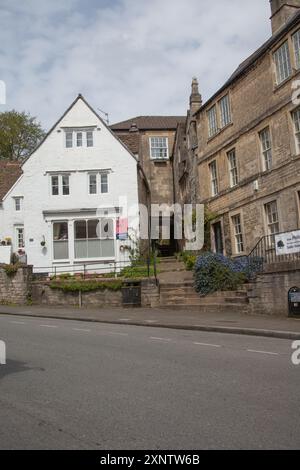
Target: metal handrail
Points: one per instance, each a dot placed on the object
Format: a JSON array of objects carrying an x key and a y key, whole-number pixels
[
  {"x": 264, "y": 251},
  {"x": 114, "y": 268}
]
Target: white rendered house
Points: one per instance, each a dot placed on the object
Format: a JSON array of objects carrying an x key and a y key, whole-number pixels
[{"x": 69, "y": 205}]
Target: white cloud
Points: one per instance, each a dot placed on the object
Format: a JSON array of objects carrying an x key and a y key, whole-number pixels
[{"x": 128, "y": 57}]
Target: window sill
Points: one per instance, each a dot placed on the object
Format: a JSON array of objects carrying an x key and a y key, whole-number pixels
[
  {"x": 287, "y": 80},
  {"x": 219, "y": 132},
  {"x": 93, "y": 260}
]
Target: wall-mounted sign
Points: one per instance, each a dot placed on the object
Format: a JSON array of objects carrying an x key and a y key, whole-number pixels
[
  {"x": 287, "y": 243},
  {"x": 122, "y": 229}
]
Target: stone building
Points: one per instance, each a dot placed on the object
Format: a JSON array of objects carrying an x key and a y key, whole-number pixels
[
  {"x": 151, "y": 139},
  {"x": 244, "y": 162}
]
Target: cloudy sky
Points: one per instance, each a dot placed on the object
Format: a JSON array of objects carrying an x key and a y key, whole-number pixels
[{"x": 127, "y": 57}]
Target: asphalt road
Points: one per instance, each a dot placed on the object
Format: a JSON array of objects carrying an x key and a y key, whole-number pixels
[{"x": 76, "y": 385}]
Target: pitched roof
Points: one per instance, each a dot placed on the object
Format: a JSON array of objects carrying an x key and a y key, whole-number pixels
[
  {"x": 149, "y": 123},
  {"x": 9, "y": 174},
  {"x": 247, "y": 63},
  {"x": 131, "y": 140}
]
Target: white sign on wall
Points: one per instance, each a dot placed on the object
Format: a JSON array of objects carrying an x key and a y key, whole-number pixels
[{"x": 287, "y": 243}]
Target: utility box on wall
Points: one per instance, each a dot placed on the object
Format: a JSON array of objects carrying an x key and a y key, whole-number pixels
[{"x": 294, "y": 301}]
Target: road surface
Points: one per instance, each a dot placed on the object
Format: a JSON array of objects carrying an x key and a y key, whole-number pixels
[{"x": 81, "y": 385}]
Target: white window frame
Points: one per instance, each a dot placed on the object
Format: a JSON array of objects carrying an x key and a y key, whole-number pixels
[
  {"x": 296, "y": 44},
  {"x": 233, "y": 168},
  {"x": 62, "y": 240},
  {"x": 79, "y": 139},
  {"x": 60, "y": 186},
  {"x": 72, "y": 139},
  {"x": 225, "y": 112},
  {"x": 282, "y": 61},
  {"x": 296, "y": 124},
  {"x": 272, "y": 217},
  {"x": 20, "y": 229},
  {"x": 212, "y": 119},
  {"x": 100, "y": 236},
  {"x": 159, "y": 145},
  {"x": 266, "y": 148},
  {"x": 101, "y": 184},
  {"x": 104, "y": 183},
  {"x": 18, "y": 203},
  {"x": 239, "y": 241},
  {"x": 94, "y": 175},
  {"x": 213, "y": 170}
]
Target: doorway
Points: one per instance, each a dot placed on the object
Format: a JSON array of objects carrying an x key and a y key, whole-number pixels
[{"x": 218, "y": 238}]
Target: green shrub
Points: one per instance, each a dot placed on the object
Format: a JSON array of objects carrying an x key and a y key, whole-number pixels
[
  {"x": 85, "y": 286},
  {"x": 11, "y": 269},
  {"x": 136, "y": 271}
]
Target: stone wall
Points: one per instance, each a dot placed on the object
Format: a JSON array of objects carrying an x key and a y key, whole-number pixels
[
  {"x": 150, "y": 293},
  {"x": 16, "y": 288},
  {"x": 42, "y": 294},
  {"x": 268, "y": 295}
]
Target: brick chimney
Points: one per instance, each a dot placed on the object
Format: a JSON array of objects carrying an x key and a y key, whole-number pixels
[
  {"x": 195, "y": 98},
  {"x": 282, "y": 11}
]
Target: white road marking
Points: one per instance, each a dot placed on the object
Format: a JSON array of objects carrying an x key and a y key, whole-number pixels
[
  {"x": 160, "y": 339},
  {"x": 207, "y": 344},
  {"x": 151, "y": 321},
  {"x": 118, "y": 334},
  {"x": 263, "y": 352},
  {"x": 49, "y": 326},
  {"x": 81, "y": 329},
  {"x": 18, "y": 322},
  {"x": 124, "y": 319}
]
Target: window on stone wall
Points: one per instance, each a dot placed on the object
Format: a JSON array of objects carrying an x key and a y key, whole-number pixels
[
  {"x": 296, "y": 120},
  {"x": 214, "y": 178},
  {"x": 296, "y": 43},
  {"x": 272, "y": 218},
  {"x": 212, "y": 121},
  {"x": 233, "y": 170},
  {"x": 266, "y": 148},
  {"x": 282, "y": 63},
  {"x": 159, "y": 148},
  {"x": 238, "y": 233},
  {"x": 225, "y": 111}
]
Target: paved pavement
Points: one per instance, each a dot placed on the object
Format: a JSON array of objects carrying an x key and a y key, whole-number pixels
[
  {"x": 268, "y": 326},
  {"x": 71, "y": 385}
]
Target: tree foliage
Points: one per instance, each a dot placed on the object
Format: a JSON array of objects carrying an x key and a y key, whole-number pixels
[{"x": 19, "y": 135}]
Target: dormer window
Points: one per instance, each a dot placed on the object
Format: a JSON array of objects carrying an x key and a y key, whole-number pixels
[{"x": 79, "y": 138}]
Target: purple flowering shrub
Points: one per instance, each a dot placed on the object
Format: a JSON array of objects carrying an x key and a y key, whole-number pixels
[{"x": 215, "y": 272}]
